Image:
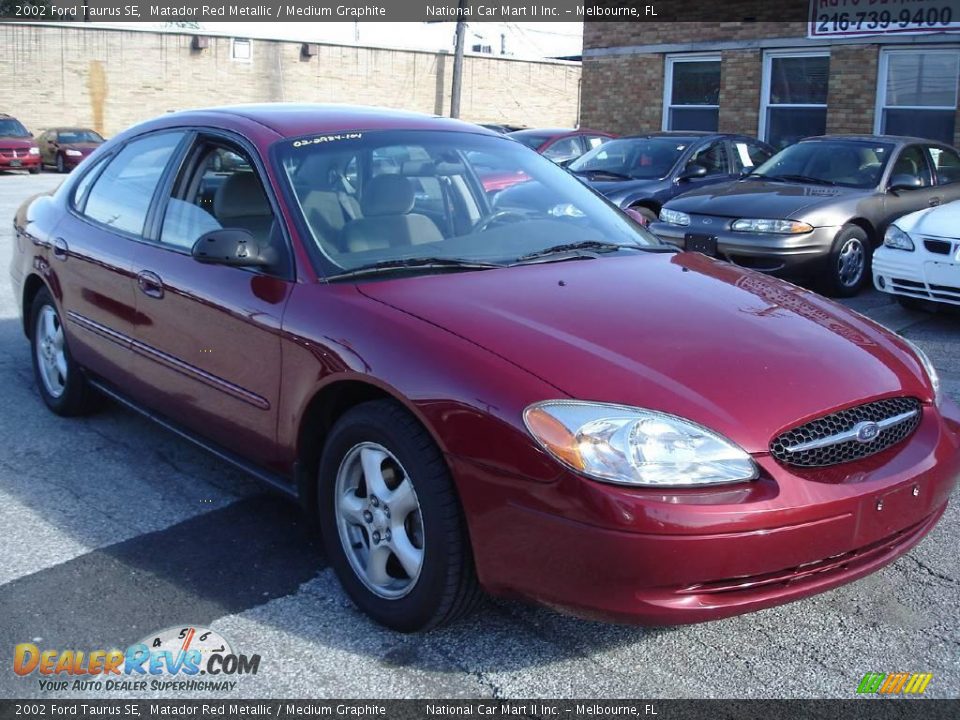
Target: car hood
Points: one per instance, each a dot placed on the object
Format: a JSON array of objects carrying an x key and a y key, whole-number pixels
[
  {"x": 936, "y": 222},
  {"x": 736, "y": 351},
  {"x": 619, "y": 188},
  {"x": 84, "y": 147},
  {"x": 758, "y": 198},
  {"x": 16, "y": 142}
]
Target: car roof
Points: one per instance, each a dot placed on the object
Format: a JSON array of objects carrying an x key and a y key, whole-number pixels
[
  {"x": 900, "y": 139},
  {"x": 544, "y": 131},
  {"x": 295, "y": 119}
]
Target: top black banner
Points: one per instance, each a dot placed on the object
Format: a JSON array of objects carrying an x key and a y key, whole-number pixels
[{"x": 657, "y": 11}]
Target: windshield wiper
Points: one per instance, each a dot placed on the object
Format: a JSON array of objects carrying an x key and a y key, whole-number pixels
[
  {"x": 607, "y": 173},
  {"x": 574, "y": 250},
  {"x": 801, "y": 178},
  {"x": 425, "y": 263}
]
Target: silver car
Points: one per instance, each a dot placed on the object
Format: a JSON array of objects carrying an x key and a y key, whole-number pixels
[{"x": 816, "y": 209}]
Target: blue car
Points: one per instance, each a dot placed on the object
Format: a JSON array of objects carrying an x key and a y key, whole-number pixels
[{"x": 642, "y": 172}]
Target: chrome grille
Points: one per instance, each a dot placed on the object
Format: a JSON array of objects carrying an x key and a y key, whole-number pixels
[{"x": 833, "y": 439}]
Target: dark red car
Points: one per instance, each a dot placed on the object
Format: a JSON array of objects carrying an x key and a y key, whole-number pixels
[
  {"x": 63, "y": 148},
  {"x": 562, "y": 145},
  {"x": 18, "y": 150},
  {"x": 542, "y": 402}
]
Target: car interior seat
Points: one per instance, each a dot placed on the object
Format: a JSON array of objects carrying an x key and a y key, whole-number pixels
[
  {"x": 387, "y": 218},
  {"x": 326, "y": 208}
]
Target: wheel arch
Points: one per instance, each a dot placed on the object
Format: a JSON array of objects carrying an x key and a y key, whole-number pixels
[
  {"x": 327, "y": 405},
  {"x": 32, "y": 284},
  {"x": 868, "y": 228}
]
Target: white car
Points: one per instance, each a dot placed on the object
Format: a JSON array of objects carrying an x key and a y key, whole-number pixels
[{"x": 920, "y": 257}]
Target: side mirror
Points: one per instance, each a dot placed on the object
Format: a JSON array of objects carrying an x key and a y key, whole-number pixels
[
  {"x": 692, "y": 171},
  {"x": 231, "y": 246},
  {"x": 905, "y": 182}
]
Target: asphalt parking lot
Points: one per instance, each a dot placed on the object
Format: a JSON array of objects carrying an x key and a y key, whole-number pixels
[{"x": 112, "y": 528}]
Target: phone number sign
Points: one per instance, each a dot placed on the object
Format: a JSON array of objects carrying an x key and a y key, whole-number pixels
[{"x": 851, "y": 18}]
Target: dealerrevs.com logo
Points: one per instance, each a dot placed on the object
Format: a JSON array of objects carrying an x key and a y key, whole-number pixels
[{"x": 175, "y": 659}]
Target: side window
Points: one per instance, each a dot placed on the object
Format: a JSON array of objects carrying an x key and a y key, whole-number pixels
[
  {"x": 946, "y": 162},
  {"x": 913, "y": 162},
  {"x": 121, "y": 194},
  {"x": 221, "y": 190},
  {"x": 748, "y": 155},
  {"x": 567, "y": 148},
  {"x": 81, "y": 189},
  {"x": 594, "y": 141},
  {"x": 713, "y": 157}
]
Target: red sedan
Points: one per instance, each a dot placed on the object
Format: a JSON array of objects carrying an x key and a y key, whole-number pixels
[
  {"x": 541, "y": 400},
  {"x": 18, "y": 150}
]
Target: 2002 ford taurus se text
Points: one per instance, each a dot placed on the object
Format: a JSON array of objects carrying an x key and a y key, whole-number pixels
[{"x": 547, "y": 403}]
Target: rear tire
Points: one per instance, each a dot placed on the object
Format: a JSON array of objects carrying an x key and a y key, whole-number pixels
[
  {"x": 848, "y": 265},
  {"x": 391, "y": 520},
  {"x": 60, "y": 380},
  {"x": 35, "y": 170},
  {"x": 61, "y": 168}
]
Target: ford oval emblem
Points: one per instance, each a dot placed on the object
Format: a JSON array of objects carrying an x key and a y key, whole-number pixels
[
  {"x": 867, "y": 432},
  {"x": 707, "y": 221}
]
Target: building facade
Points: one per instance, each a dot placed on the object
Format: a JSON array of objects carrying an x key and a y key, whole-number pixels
[
  {"x": 779, "y": 81},
  {"x": 109, "y": 79}
]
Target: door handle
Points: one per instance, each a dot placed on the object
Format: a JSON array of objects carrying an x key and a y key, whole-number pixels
[
  {"x": 60, "y": 248},
  {"x": 150, "y": 284},
  {"x": 934, "y": 201}
]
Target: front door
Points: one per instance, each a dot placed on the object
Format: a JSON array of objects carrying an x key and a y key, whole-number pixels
[
  {"x": 911, "y": 162},
  {"x": 207, "y": 354}
]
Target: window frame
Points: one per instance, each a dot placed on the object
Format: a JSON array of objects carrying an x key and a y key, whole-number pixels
[
  {"x": 668, "y": 63},
  {"x": 234, "y": 41},
  {"x": 883, "y": 67},
  {"x": 766, "y": 85},
  {"x": 196, "y": 137}
]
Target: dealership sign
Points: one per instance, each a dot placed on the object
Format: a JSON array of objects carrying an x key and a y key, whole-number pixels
[{"x": 852, "y": 18}]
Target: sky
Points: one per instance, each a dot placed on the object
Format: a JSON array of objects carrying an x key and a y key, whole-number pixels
[{"x": 523, "y": 40}]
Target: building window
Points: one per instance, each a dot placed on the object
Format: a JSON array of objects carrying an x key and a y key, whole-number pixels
[
  {"x": 793, "y": 96},
  {"x": 917, "y": 93},
  {"x": 240, "y": 50},
  {"x": 691, "y": 98}
]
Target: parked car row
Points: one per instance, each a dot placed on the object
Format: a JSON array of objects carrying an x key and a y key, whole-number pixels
[
  {"x": 475, "y": 389},
  {"x": 58, "y": 148}
]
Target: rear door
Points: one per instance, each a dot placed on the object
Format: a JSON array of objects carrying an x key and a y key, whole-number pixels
[
  {"x": 208, "y": 344},
  {"x": 93, "y": 248}
]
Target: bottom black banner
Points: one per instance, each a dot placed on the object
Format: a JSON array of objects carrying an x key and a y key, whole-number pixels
[{"x": 888, "y": 709}]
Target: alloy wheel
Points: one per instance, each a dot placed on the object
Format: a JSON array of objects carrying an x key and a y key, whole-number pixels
[
  {"x": 51, "y": 354},
  {"x": 851, "y": 262},
  {"x": 379, "y": 520}
]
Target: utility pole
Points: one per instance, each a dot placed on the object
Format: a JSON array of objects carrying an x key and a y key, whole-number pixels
[{"x": 458, "y": 60}]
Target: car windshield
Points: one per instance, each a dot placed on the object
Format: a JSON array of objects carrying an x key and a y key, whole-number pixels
[
  {"x": 829, "y": 162},
  {"x": 393, "y": 196},
  {"x": 10, "y": 127},
  {"x": 646, "y": 158},
  {"x": 78, "y": 136}
]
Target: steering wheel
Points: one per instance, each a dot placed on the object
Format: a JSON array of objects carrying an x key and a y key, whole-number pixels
[{"x": 498, "y": 216}]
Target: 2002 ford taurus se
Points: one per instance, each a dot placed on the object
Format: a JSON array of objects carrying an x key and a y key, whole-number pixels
[{"x": 546, "y": 403}]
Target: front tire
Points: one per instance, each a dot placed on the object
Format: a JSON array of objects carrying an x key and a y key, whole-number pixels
[
  {"x": 61, "y": 168},
  {"x": 60, "y": 380},
  {"x": 391, "y": 520},
  {"x": 848, "y": 265}
]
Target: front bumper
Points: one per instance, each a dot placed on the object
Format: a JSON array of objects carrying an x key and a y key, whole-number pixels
[
  {"x": 765, "y": 252},
  {"x": 919, "y": 274},
  {"x": 638, "y": 556},
  {"x": 23, "y": 162}
]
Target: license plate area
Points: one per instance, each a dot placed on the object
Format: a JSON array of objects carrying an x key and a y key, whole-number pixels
[
  {"x": 701, "y": 243},
  {"x": 15, "y": 163},
  {"x": 939, "y": 273}
]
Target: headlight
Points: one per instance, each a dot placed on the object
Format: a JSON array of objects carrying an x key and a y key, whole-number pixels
[
  {"x": 674, "y": 217},
  {"x": 34, "y": 151},
  {"x": 929, "y": 369},
  {"x": 633, "y": 446},
  {"x": 897, "y": 238},
  {"x": 73, "y": 153},
  {"x": 761, "y": 225}
]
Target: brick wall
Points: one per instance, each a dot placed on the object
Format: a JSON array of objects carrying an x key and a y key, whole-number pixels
[
  {"x": 110, "y": 79},
  {"x": 740, "y": 77},
  {"x": 624, "y": 94},
  {"x": 851, "y": 96}
]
